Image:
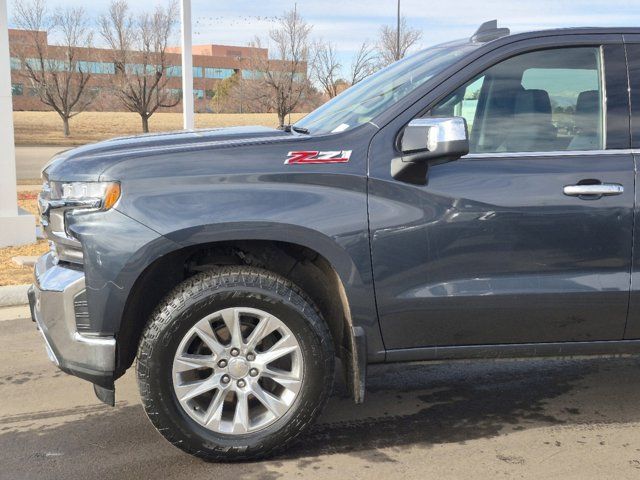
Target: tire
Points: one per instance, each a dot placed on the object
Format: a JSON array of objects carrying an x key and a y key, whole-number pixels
[{"x": 162, "y": 346}]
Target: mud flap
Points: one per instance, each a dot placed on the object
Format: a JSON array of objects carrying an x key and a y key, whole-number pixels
[
  {"x": 105, "y": 395},
  {"x": 355, "y": 364}
]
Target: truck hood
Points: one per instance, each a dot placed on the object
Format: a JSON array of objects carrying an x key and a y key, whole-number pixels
[{"x": 88, "y": 162}]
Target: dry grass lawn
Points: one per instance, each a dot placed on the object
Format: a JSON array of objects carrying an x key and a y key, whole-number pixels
[
  {"x": 45, "y": 128},
  {"x": 13, "y": 274},
  {"x": 10, "y": 273}
]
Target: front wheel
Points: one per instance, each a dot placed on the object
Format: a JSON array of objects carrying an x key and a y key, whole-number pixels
[{"x": 235, "y": 364}]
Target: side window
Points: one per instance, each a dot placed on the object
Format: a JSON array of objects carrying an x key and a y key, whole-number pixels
[
  {"x": 546, "y": 100},
  {"x": 633, "y": 54},
  {"x": 462, "y": 103}
]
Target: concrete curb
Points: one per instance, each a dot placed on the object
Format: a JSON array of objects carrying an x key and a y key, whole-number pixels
[{"x": 13, "y": 295}]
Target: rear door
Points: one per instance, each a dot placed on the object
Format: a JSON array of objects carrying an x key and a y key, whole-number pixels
[{"x": 528, "y": 238}]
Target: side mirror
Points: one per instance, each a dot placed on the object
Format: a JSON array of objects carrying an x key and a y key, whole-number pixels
[{"x": 429, "y": 141}]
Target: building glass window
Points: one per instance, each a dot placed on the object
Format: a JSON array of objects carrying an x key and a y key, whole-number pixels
[
  {"x": 252, "y": 74},
  {"x": 133, "y": 68},
  {"x": 141, "y": 69},
  {"x": 96, "y": 67},
  {"x": 50, "y": 65},
  {"x": 34, "y": 63},
  {"x": 199, "y": 94},
  {"x": 197, "y": 72},
  {"x": 56, "y": 65},
  {"x": 15, "y": 63},
  {"x": 221, "y": 73},
  {"x": 17, "y": 89},
  {"x": 174, "y": 71}
]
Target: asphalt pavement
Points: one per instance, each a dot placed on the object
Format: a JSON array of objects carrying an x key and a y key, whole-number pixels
[{"x": 565, "y": 419}]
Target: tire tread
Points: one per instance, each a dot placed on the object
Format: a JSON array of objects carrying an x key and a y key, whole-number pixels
[{"x": 201, "y": 285}]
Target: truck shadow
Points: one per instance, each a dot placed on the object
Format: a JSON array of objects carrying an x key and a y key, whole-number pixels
[
  {"x": 407, "y": 405},
  {"x": 429, "y": 405}
]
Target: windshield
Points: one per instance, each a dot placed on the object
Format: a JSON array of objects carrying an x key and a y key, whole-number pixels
[{"x": 367, "y": 99}]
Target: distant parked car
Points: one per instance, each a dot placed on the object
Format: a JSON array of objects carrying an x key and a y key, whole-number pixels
[{"x": 437, "y": 210}]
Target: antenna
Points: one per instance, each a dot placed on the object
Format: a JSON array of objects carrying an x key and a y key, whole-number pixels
[{"x": 489, "y": 31}]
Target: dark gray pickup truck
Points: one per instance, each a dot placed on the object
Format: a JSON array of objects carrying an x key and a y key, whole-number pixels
[{"x": 474, "y": 200}]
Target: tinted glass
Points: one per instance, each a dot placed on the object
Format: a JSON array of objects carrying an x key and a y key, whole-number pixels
[
  {"x": 549, "y": 100},
  {"x": 367, "y": 99},
  {"x": 633, "y": 54}
]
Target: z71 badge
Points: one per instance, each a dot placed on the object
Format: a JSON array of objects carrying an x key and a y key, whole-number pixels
[{"x": 311, "y": 156}]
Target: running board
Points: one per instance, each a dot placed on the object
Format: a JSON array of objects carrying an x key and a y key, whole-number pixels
[{"x": 521, "y": 350}]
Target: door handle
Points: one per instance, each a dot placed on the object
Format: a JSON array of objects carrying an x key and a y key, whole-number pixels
[{"x": 599, "y": 190}]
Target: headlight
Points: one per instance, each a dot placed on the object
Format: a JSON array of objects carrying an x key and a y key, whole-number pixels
[
  {"x": 84, "y": 195},
  {"x": 59, "y": 202}
]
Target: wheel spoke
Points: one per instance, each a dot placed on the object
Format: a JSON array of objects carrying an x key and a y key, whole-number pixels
[
  {"x": 284, "y": 346},
  {"x": 190, "y": 390},
  {"x": 205, "y": 332},
  {"x": 231, "y": 317},
  {"x": 214, "y": 412},
  {"x": 274, "y": 404},
  {"x": 264, "y": 327},
  {"x": 289, "y": 380},
  {"x": 241, "y": 415},
  {"x": 254, "y": 404},
  {"x": 186, "y": 362}
]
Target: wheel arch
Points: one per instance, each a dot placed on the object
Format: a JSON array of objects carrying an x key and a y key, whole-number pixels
[{"x": 323, "y": 271}]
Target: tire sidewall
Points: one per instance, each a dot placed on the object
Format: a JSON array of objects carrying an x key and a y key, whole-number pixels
[{"x": 300, "y": 317}]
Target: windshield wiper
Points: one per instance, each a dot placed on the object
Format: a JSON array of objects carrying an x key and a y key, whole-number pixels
[{"x": 289, "y": 128}]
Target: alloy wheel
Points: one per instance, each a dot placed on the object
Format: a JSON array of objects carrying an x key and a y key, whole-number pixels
[{"x": 237, "y": 370}]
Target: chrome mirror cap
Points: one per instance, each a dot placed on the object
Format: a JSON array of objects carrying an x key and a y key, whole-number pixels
[
  {"x": 428, "y": 133},
  {"x": 429, "y": 141}
]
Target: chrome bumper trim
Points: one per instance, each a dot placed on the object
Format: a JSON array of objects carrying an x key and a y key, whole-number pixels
[{"x": 51, "y": 299}]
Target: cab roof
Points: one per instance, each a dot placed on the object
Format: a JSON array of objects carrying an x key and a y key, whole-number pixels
[{"x": 489, "y": 32}]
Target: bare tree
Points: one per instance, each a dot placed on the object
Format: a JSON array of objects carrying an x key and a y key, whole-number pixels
[
  {"x": 280, "y": 82},
  {"x": 138, "y": 46},
  {"x": 388, "y": 44},
  {"x": 56, "y": 74},
  {"x": 364, "y": 63},
  {"x": 326, "y": 67}
]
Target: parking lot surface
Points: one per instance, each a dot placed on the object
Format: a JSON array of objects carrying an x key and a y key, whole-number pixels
[{"x": 569, "y": 419}]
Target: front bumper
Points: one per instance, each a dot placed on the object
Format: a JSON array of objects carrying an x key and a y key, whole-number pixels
[{"x": 51, "y": 299}]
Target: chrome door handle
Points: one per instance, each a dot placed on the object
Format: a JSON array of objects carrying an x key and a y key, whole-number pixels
[{"x": 603, "y": 189}]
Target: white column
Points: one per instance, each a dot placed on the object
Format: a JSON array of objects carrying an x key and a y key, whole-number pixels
[
  {"x": 15, "y": 228},
  {"x": 187, "y": 65}
]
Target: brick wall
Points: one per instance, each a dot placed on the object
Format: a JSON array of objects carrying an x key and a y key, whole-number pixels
[{"x": 212, "y": 63}]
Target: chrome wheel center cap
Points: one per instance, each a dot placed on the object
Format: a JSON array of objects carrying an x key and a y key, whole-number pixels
[{"x": 238, "y": 367}]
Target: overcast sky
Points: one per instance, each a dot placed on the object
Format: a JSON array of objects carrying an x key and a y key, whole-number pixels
[{"x": 348, "y": 22}]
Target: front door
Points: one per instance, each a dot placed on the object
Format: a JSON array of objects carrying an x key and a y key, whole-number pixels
[{"x": 528, "y": 238}]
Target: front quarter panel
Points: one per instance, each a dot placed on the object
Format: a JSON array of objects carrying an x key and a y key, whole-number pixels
[{"x": 248, "y": 193}]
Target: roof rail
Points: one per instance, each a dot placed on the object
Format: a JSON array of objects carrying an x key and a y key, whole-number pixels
[{"x": 489, "y": 31}]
